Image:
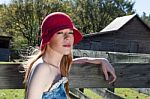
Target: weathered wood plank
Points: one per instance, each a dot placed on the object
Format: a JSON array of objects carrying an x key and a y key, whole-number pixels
[
  {"x": 10, "y": 76},
  {"x": 79, "y": 93},
  {"x": 128, "y": 76},
  {"x": 132, "y": 75},
  {"x": 86, "y": 76},
  {"x": 114, "y": 57},
  {"x": 73, "y": 96},
  {"x": 87, "y": 53},
  {"x": 117, "y": 57}
]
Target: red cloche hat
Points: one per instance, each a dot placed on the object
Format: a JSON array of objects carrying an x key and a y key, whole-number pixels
[{"x": 55, "y": 22}]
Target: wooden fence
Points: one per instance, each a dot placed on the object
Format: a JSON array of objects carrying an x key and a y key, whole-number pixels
[
  {"x": 86, "y": 76},
  {"x": 129, "y": 75}
]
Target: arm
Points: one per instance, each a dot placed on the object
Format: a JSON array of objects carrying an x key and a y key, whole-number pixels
[
  {"x": 38, "y": 82},
  {"x": 106, "y": 66},
  {"x": 88, "y": 60}
]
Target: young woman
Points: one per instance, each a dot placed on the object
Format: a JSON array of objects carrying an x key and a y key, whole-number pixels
[{"x": 46, "y": 77}]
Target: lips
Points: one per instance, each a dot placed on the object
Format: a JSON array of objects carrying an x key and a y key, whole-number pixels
[{"x": 68, "y": 45}]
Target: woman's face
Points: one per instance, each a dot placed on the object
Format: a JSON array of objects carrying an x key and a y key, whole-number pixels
[{"x": 62, "y": 41}]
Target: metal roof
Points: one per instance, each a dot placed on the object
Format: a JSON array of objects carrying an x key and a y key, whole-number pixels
[{"x": 117, "y": 23}]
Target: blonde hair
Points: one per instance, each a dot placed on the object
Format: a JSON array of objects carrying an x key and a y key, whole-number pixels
[{"x": 64, "y": 68}]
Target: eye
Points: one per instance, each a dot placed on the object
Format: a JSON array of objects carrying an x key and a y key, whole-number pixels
[
  {"x": 60, "y": 33},
  {"x": 71, "y": 32}
]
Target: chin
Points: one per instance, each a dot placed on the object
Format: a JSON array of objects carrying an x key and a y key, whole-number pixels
[{"x": 66, "y": 53}]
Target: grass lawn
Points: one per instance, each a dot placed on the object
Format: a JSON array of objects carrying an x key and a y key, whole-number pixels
[
  {"x": 11, "y": 93},
  {"x": 127, "y": 93},
  {"x": 19, "y": 94},
  {"x": 10, "y": 62},
  {"x": 91, "y": 94}
]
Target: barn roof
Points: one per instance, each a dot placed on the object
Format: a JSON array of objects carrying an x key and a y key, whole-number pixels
[
  {"x": 116, "y": 24},
  {"x": 5, "y": 37}
]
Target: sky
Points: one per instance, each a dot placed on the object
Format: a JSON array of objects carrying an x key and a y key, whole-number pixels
[{"x": 140, "y": 6}]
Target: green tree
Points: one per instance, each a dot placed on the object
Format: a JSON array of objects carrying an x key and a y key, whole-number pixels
[
  {"x": 21, "y": 19},
  {"x": 94, "y": 15},
  {"x": 18, "y": 23},
  {"x": 146, "y": 18}
]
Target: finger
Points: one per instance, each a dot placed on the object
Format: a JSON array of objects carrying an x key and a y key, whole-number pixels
[
  {"x": 114, "y": 78},
  {"x": 105, "y": 73},
  {"x": 112, "y": 72}
]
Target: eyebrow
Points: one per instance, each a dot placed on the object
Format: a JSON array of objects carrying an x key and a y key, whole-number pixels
[{"x": 70, "y": 30}]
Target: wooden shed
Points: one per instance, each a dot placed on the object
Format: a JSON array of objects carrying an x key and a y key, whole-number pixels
[
  {"x": 4, "y": 48},
  {"x": 124, "y": 34}
]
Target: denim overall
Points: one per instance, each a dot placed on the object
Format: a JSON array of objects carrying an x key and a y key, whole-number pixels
[{"x": 57, "y": 91}]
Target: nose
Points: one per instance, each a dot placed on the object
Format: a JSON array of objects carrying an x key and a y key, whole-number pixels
[{"x": 66, "y": 35}]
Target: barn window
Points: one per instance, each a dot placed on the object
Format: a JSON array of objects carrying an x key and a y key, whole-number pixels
[{"x": 4, "y": 43}]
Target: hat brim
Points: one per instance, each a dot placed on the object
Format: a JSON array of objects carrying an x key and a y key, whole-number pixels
[{"x": 77, "y": 35}]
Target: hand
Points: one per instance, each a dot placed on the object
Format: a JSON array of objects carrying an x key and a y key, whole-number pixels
[{"x": 108, "y": 69}]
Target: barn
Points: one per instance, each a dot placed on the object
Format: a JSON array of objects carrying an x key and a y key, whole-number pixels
[
  {"x": 124, "y": 34},
  {"x": 4, "y": 48}
]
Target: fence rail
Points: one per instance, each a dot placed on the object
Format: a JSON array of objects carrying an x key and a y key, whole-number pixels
[
  {"x": 132, "y": 70},
  {"x": 86, "y": 76}
]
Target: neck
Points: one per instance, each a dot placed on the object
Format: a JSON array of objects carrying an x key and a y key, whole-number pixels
[{"x": 52, "y": 57}]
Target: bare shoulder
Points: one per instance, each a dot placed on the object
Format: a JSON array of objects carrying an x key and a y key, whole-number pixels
[
  {"x": 42, "y": 67},
  {"x": 38, "y": 80},
  {"x": 41, "y": 70},
  {"x": 40, "y": 74}
]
